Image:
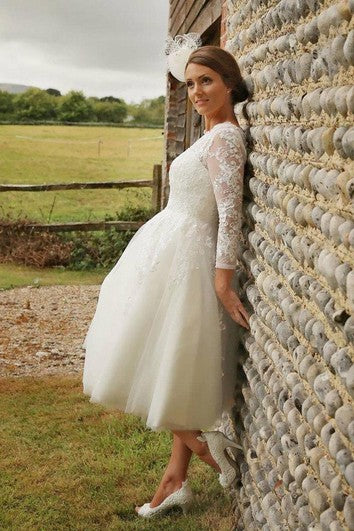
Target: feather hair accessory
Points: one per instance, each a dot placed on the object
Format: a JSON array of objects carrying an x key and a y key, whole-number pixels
[{"x": 178, "y": 51}]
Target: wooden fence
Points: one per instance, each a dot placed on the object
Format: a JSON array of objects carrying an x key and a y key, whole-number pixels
[{"x": 155, "y": 184}]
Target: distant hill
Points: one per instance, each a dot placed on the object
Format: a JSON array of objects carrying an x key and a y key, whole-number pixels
[{"x": 14, "y": 89}]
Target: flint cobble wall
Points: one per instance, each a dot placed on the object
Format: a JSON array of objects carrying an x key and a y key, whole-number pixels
[{"x": 297, "y": 414}]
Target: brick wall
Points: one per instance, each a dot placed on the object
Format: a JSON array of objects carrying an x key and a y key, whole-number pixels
[{"x": 296, "y": 420}]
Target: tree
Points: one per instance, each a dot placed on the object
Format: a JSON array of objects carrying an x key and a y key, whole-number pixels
[
  {"x": 149, "y": 111},
  {"x": 111, "y": 99},
  {"x": 6, "y": 105},
  {"x": 53, "y": 92},
  {"x": 110, "y": 112},
  {"x": 35, "y": 104},
  {"x": 75, "y": 108}
]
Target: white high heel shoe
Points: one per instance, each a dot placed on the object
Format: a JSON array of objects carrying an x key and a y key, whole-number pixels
[
  {"x": 181, "y": 497},
  {"x": 217, "y": 443}
]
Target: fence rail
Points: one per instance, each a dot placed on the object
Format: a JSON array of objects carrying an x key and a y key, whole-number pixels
[
  {"x": 155, "y": 184},
  {"x": 84, "y": 226},
  {"x": 73, "y": 186}
]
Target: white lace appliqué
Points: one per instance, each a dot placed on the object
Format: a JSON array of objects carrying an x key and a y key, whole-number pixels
[
  {"x": 200, "y": 227},
  {"x": 225, "y": 159}
]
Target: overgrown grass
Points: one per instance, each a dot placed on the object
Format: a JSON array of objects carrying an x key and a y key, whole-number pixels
[
  {"x": 67, "y": 464},
  {"x": 53, "y": 154}
]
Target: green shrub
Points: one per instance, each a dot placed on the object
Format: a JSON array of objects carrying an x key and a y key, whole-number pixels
[
  {"x": 97, "y": 249},
  {"x": 75, "y": 250}
]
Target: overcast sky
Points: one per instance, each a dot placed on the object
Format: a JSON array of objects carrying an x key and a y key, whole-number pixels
[{"x": 102, "y": 47}]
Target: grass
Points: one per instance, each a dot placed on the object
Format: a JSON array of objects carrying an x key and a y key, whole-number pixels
[
  {"x": 62, "y": 154},
  {"x": 48, "y": 154},
  {"x": 67, "y": 464},
  {"x": 13, "y": 275}
]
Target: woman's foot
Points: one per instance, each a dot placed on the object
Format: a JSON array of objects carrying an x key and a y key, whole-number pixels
[
  {"x": 182, "y": 497},
  {"x": 166, "y": 487},
  {"x": 217, "y": 443}
]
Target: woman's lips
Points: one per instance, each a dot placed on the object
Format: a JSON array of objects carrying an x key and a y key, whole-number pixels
[{"x": 201, "y": 102}]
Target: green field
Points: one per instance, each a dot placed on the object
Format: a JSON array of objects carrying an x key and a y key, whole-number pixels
[
  {"x": 67, "y": 464},
  {"x": 63, "y": 154}
]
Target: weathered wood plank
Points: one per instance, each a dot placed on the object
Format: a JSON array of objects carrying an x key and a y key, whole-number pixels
[
  {"x": 207, "y": 17},
  {"x": 177, "y": 23},
  {"x": 180, "y": 12},
  {"x": 181, "y": 101},
  {"x": 173, "y": 7},
  {"x": 191, "y": 16},
  {"x": 156, "y": 190},
  {"x": 180, "y": 6},
  {"x": 89, "y": 226},
  {"x": 73, "y": 186},
  {"x": 197, "y": 16},
  {"x": 181, "y": 121},
  {"x": 180, "y": 134}
]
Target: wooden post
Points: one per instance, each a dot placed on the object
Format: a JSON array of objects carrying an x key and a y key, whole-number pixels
[{"x": 156, "y": 187}]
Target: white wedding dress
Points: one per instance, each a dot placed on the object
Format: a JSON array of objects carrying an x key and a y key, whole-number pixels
[{"x": 160, "y": 344}]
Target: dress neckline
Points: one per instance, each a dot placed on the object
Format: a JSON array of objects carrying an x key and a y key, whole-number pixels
[{"x": 220, "y": 123}]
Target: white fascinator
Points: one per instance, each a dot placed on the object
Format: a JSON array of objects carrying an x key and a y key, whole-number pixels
[{"x": 178, "y": 50}]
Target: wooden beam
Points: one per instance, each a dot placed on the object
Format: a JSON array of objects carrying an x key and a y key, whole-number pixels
[
  {"x": 73, "y": 186},
  {"x": 84, "y": 226},
  {"x": 156, "y": 191},
  {"x": 178, "y": 9}
]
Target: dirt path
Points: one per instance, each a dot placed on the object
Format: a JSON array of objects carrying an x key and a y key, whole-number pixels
[{"x": 42, "y": 329}]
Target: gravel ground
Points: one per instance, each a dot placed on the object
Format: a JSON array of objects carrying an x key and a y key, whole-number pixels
[{"x": 42, "y": 329}]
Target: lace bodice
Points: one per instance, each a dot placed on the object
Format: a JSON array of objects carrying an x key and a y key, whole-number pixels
[{"x": 206, "y": 184}]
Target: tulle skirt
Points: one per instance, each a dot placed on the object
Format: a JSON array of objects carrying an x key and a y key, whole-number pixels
[{"x": 160, "y": 344}]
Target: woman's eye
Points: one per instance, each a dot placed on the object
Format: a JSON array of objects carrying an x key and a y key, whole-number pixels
[{"x": 189, "y": 84}]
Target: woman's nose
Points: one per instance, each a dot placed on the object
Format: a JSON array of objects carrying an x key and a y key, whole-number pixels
[{"x": 197, "y": 90}]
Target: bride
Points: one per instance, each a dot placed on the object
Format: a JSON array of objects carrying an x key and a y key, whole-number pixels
[{"x": 160, "y": 343}]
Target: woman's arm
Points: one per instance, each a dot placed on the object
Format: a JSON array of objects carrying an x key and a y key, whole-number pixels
[
  {"x": 223, "y": 279},
  {"x": 225, "y": 161}
]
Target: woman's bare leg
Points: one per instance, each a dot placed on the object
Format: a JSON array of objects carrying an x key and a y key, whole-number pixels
[
  {"x": 175, "y": 473},
  {"x": 201, "y": 449},
  {"x": 185, "y": 442}
]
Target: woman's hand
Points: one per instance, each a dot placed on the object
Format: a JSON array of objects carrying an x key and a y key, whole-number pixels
[
  {"x": 234, "y": 307},
  {"x": 229, "y": 297}
]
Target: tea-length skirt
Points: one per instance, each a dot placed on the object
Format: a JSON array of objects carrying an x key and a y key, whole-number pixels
[{"x": 160, "y": 344}]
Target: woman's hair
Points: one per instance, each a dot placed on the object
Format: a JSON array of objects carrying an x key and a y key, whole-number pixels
[{"x": 225, "y": 65}]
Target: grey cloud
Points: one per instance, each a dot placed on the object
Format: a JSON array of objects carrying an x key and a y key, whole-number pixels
[{"x": 125, "y": 36}]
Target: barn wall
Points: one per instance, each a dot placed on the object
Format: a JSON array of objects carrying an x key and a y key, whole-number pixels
[
  {"x": 185, "y": 16},
  {"x": 296, "y": 420}
]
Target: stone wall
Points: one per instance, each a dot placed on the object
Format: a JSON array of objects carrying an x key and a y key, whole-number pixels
[{"x": 297, "y": 419}]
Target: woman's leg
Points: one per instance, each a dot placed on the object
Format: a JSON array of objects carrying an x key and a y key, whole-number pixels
[
  {"x": 201, "y": 449},
  {"x": 184, "y": 444},
  {"x": 175, "y": 473}
]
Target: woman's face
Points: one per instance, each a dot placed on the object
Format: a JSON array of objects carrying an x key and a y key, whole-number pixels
[{"x": 206, "y": 89}]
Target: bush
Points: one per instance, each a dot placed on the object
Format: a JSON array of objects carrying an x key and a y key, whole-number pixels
[
  {"x": 47, "y": 106},
  {"x": 32, "y": 248},
  {"x": 75, "y": 250},
  {"x": 35, "y": 104},
  {"x": 74, "y": 107},
  {"x": 99, "y": 249},
  {"x": 110, "y": 112},
  {"x": 6, "y": 104},
  {"x": 148, "y": 111}
]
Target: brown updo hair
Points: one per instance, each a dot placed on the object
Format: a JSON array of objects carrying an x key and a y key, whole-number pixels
[{"x": 222, "y": 62}]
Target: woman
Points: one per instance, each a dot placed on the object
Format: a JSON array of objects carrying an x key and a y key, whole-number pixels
[{"x": 159, "y": 345}]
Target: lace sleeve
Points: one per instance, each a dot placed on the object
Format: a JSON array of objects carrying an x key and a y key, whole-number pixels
[{"x": 225, "y": 159}]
